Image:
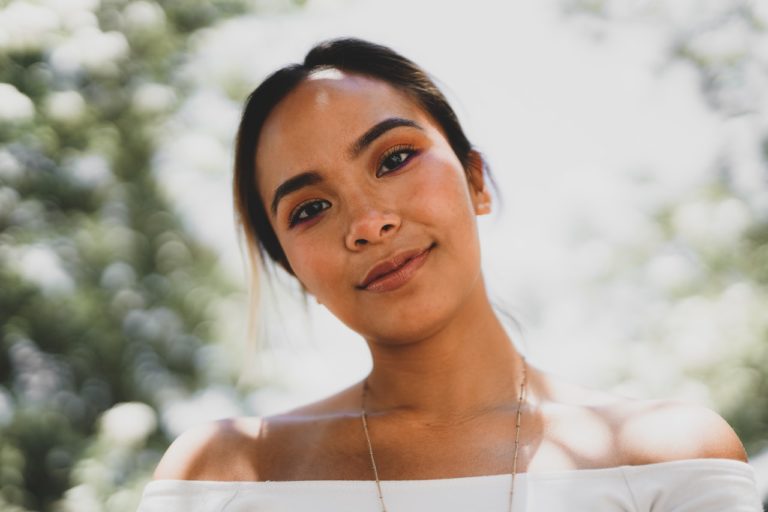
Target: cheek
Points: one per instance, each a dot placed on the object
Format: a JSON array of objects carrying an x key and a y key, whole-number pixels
[
  {"x": 441, "y": 192},
  {"x": 315, "y": 264}
]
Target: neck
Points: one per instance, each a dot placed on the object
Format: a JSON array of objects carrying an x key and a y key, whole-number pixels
[{"x": 468, "y": 367}]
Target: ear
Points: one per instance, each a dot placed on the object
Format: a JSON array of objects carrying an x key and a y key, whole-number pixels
[{"x": 481, "y": 196}]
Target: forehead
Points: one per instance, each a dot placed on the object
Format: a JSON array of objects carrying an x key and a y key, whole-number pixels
[{"x": 318, "y": 120}]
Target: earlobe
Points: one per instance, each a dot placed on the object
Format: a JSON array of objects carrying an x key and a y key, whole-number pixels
[
  {"x": 483, "y": 208},
  {"x": 481, "y": 197}
]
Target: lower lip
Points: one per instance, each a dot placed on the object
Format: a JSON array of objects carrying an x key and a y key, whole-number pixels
[{"x": 399, "y": 277}]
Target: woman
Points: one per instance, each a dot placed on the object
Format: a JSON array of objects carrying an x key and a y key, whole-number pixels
[{"x": 353, "y": 174}]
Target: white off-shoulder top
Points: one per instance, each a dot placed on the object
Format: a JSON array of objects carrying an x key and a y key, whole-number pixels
[{"x": 696, "y": 485}]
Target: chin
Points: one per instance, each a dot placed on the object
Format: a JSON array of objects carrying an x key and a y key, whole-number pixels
[{"x": 398, "y": 328}]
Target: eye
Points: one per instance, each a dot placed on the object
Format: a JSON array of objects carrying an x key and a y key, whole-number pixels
[
  {"x": 307, "y": 211},
  {"x": 394, "y": 158}
]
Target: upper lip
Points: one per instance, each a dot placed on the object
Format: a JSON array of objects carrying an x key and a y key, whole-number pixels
[{"x": 391, "y": 264}]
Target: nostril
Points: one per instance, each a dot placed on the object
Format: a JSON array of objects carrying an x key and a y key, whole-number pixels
[
  {"x": 361, "y": 241},
  {"x": 387, "y": 227}
]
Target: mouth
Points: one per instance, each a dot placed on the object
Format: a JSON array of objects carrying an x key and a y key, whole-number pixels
[{"x": 395, "y": 271}]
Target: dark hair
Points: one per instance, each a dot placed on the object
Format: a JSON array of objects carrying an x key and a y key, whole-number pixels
[{"x": 350, "y": 55}]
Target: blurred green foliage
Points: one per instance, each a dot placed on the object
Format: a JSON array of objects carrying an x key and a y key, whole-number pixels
[
  {"x": 104, "y": 294},
  {"x": 720, "y": 229},
  {"x": 728, "y": 77}
]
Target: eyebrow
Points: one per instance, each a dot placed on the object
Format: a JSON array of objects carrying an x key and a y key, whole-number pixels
[
  {"x": 306, "y": 179},
  {"x": 377, "y": 131},
  {"x": 293, "y": 184}
]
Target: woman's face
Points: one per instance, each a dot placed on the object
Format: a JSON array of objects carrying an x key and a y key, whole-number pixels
[{"x": 371, "y": 206}]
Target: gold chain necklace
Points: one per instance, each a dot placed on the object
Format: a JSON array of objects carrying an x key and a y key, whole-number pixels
[{"x": 518, "y": 418}]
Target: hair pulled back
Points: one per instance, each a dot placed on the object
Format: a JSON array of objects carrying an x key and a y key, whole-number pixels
[{"x": 349, "y": 55}]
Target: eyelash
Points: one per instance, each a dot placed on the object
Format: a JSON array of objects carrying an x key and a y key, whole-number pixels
[
  {"x": 294, "y": 217},
  {"x": 405, "y": 148}
]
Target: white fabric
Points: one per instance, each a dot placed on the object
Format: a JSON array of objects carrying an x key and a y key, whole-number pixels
[{"x": 700, "y": 485}]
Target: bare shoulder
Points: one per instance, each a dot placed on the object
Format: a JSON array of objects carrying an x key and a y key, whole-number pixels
[
  {"x": 665, "y": 430},
  {"x": 221, "y": 450},
  {"x": 254, "y": 448},
  {"x": 600, "y": 429}
]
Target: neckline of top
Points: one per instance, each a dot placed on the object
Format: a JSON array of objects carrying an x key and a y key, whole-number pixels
[{"x": 733, "y": 464}]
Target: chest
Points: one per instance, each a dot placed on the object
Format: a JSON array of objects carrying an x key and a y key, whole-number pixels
[{"x": 337, "y": 449}]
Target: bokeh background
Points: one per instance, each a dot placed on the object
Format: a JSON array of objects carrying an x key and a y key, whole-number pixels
[{"x": 629, "y": 250}]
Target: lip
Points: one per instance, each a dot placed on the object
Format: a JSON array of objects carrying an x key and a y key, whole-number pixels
[{"x": 395, "y": 271}]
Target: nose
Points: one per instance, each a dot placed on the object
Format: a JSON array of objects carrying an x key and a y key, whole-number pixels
[{"x": 371, "y": 226}]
